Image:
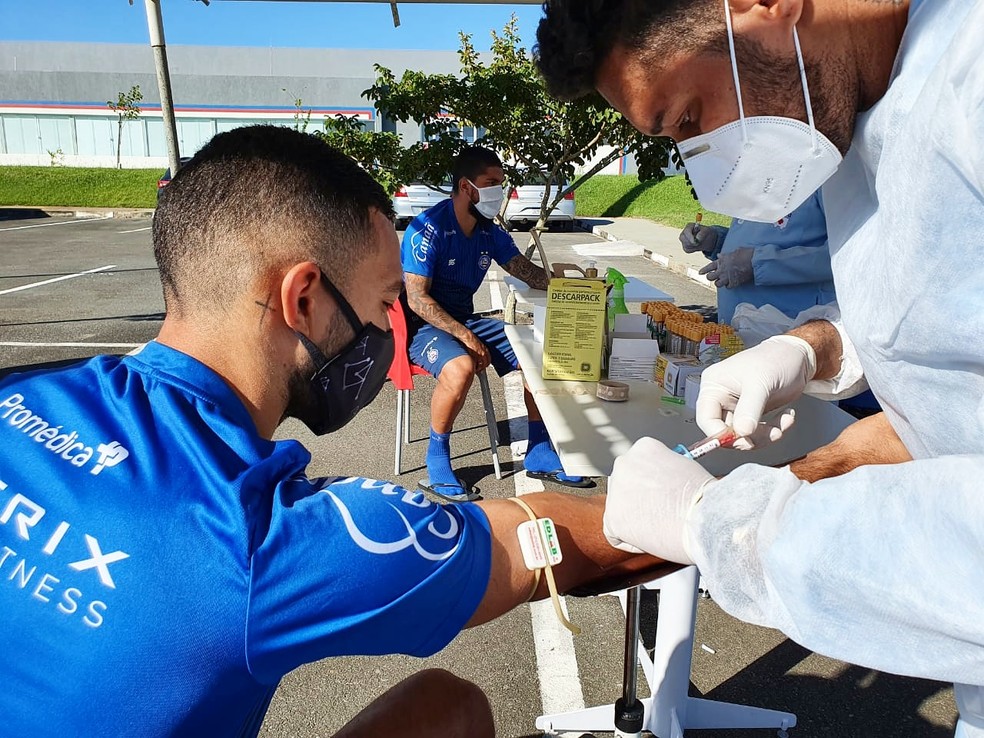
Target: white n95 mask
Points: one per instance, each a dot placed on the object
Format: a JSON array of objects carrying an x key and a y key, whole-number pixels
[
  {"x": 489, "y": 199},
  {"x": 759, "y": 168}
]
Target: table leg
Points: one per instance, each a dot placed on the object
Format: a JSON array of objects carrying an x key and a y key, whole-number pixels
[{"x": 670, "y": 709}]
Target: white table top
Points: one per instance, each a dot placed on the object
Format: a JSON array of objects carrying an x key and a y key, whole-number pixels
[
  {"x": 589, "y": 433},
  {"x": 635, "y": 291}
]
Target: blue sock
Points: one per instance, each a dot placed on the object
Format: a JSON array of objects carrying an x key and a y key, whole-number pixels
[
  {"x": 540, "y": 455},
  {"x": 439, "y": 459}
]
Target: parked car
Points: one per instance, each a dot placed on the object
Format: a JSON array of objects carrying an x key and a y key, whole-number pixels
[
  {"x": 165, "y": 179},
  {"x": 523, "y": 209},
  {"x": 416, "y": 197}
]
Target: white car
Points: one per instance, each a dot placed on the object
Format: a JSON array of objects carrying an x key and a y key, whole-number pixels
[
  {"x": 523, "y": 209},
  {"x": 416, "y": 197}
]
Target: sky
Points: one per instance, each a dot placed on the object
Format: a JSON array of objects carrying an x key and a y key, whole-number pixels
[{"x": 362, "y": 25}]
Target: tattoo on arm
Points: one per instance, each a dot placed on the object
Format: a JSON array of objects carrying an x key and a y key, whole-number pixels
[
  {"x": 420, "y": 301},
  {"x": 522, "y": 268}
]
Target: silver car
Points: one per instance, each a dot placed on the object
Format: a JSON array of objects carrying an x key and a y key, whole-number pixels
[
  {"x": 413, "y": 199},
  {"x": 523, "y": 209}
]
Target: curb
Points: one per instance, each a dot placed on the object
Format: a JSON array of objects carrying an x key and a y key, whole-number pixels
[
  {"x": 667, "y": 262},
  {"x": 28, "y": 211}
]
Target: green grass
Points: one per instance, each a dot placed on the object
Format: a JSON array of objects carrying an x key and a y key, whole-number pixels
[
  {"x": 668, "y": 202},
  {"x": 78, "y": 186}
]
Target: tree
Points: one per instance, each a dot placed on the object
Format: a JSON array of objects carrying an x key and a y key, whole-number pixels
[
  {"x": 302, "y": 117},
  {"x": 126, "y": 108},
  {"x": 508, "y": 100}
]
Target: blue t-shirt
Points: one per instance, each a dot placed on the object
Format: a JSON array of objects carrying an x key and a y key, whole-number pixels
[
  {"x": 435, "y": 247},
  {"x": 162, "y": 566}
]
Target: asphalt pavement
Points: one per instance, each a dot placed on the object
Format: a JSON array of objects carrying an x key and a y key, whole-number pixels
[{"x": 73, "y": 288}]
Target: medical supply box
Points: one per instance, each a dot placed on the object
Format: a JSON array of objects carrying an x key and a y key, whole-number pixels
[
  {"x": 672, "y": 371},
  {"x": 574, "y": 331}
]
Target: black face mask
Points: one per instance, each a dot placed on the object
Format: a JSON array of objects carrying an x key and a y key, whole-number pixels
[{"x": 340, "y": 387}]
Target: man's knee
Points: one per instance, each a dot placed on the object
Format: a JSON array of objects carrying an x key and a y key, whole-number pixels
[
  {"x": 458, "y": 374},
  {"x": 471, "y": 714}
]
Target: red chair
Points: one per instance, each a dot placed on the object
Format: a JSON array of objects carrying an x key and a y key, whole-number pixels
[{"x": 402, "y": 372}]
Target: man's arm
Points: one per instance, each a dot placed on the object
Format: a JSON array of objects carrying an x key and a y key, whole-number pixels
[
  {"x": 421, "y": 302},
  {"x": 522, "y": 268},
  {"x": 869, "y": 441},
  {"x": 587, "y": 554}
]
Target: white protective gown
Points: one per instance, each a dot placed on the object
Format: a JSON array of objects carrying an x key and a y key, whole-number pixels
[{"x": 884, "y": 567}]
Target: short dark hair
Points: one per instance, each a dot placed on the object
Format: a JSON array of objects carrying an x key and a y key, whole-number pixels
[
  {"x": 575, "y": 36},
  {"x": 259, "y": 197},
  {"x": 471, "y": 162}
]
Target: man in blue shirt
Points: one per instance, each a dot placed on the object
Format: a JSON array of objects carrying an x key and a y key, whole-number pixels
[
  {"x": 446, "y": 253},
  {"x": 163, "y": 562},
  {"x": 785, "y": 264}
]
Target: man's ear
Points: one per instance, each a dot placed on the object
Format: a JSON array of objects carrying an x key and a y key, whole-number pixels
[
  {"x": 762, "y": 18},
  {"x": 299, "y": 290}
]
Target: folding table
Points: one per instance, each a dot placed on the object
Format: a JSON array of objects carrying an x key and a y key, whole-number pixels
[{"x": 589, "y": 434}]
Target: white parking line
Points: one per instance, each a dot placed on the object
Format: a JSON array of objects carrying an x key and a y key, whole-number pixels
[
  {"x": 61, "y": 222},
  {"x": 57, "y": 279},
  {"x": 556, "y": 663},
  {"x": 136, "y": 230},
  {"x": 67, "y": 344}
]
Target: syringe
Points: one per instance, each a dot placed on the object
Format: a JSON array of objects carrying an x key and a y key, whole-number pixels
[{"x": 723, "y": 439}]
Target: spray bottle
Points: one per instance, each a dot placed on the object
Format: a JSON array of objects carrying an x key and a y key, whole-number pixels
[{"x": 616, "y": 295}]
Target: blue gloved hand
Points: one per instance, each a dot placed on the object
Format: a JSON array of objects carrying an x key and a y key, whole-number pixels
[
  {"x": 695, "y": 237},
  {"x": 731, "y": 269}
]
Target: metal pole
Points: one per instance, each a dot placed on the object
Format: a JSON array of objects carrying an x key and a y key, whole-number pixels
[
  {"x": 155, "y": 24},
  {"x": 629, "y": 711}
]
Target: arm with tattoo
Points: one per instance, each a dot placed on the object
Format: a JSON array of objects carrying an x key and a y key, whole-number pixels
[
  {"x": 522, "y": 268},
  {"x": 421, "y": 302}
]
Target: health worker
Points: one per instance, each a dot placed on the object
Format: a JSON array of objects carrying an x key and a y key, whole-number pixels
[
  {"x": 883, "y": 105},
  {"x": 784, "y": 263}
]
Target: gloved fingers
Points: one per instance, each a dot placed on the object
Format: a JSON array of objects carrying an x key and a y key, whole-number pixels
[
  {"x": 769, "y": 430},
  {"x": 711, "y": 272},
  {"x": 688, "y": 238},
  {"x": 618, "y": 543},
  {"x": 749, "y": 408},
  {"x": 713, "y": 415}
]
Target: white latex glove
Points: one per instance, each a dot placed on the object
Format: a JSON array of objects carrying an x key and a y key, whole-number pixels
[
  {"x": 741, "y": 389},
  {"x": 731, "y": 269},
  {"x": 650, "y": 495},
  {"x": 695, "y": 237}
]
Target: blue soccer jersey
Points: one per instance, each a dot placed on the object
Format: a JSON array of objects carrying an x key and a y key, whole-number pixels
[
  {"x": 162, "y": 566},
  {"x": 434, "y": 246}
]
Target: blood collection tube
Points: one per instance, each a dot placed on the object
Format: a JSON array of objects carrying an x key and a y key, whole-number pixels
[{"x": 724, "y": 439}]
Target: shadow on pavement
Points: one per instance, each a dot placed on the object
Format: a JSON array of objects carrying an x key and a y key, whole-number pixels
[
  {"x": 857, "y": 703},
  {"x": 22, "y": 213},
  {"x": 4, "y": 371},
  {"x": 141, "y": 317}
]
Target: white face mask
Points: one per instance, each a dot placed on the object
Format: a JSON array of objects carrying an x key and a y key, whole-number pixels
[
  {"x": 759, "y": 168},
  {"x": 489, "y": 199}
]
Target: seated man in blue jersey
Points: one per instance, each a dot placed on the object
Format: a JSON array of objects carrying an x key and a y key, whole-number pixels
[
  {"x": 163, "y": 562},
  {"x": 447, "y": 250}
]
